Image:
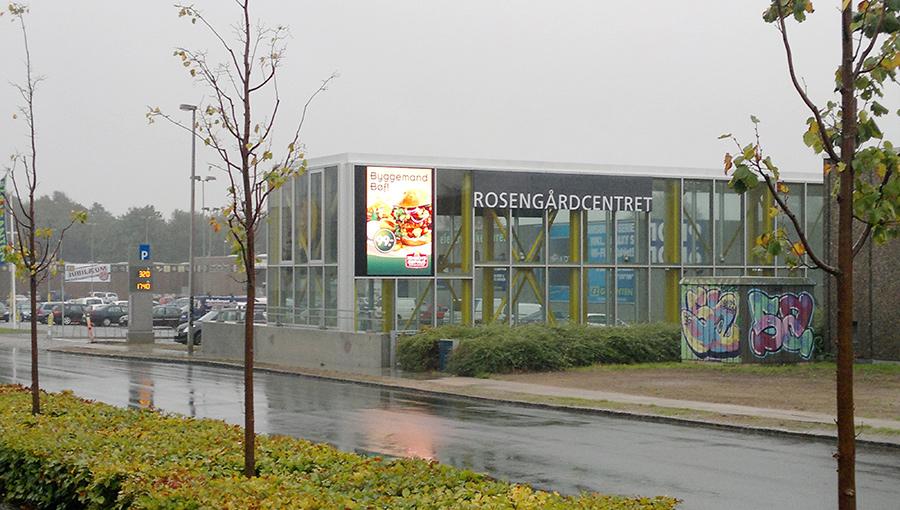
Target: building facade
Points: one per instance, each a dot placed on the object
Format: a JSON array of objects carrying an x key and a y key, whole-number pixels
[{"x": 364, "y": 242}]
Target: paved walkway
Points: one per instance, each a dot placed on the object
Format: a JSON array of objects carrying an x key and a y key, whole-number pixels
[{"x": 518, "y": 392}]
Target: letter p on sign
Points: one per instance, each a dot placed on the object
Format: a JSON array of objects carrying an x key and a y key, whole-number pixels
[{"x": 144, "y": 252}]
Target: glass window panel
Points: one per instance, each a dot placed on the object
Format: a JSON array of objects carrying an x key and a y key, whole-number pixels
[
  {"x": 301, "y": 190},
  {"x": 315, "y": 216},
  {"x": 658, "y": 295},
  {"x": 301, "y": 296},
  {"x": 528, "y": 236},
  {"x": 632, "y": 304},
  {"x": 448, "y": 230},
  {"x": 331, "y": 300},
  {"x": 330, "y": 219},
  {"x": 599, "y": 308},
  {"x": 491, "y": 235},
  {"x": 758, "y": 221},
  {"x": 274, "y": 226},
  {"x": 527, "y": 292},
  {"x": 287, "y": 223},
  {"x": 414, "y": 299},
  {"x": 368, "y": 305},
  {"x": 598, "y": 236},
  {"x": 797, "y": 205},
  {"x": 697, "y": 231},
  {"x": 491, "y": 300},
  {"x": 666, "y": 208},
  {"x": 448, "y": 221},
  {"x": 815, "y": 217},
  {"x": 558, "y": 233},
  {"x": 448, "y": 299},
  {"x": 559, "y": 292},
  {"x": 729, "y": 212},
  {"x": 316, "y": 297},
  {"x": 284, "y": 297},
  {"x": 631, "y": 237}
]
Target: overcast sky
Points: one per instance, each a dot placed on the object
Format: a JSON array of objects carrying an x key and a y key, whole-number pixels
[{"x": 585, "y": 81}]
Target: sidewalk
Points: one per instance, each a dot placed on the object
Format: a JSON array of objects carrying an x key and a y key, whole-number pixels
[{"x": 643, "y": 407}]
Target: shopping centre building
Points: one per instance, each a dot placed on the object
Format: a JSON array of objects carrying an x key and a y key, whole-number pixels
[{"x": 377, "y": 243}]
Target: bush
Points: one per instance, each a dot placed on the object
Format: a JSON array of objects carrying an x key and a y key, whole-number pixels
[
  {"x": 83, "y": 454},
  {"x": 499, "y": 348}
]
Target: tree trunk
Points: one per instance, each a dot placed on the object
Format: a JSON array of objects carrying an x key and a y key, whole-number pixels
[
  {"x": 249, "y": 416},
  {"x": 35, "y": 386},
  {"x": 846, "y": 456}
]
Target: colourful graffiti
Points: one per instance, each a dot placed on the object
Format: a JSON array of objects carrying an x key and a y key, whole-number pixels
[
  {"x": 781, "y": 322},
  {"x": 708, "y": 322}
]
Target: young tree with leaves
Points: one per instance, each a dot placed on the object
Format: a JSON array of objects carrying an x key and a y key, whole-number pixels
[
  {"x": 868, "y": 184},
  {"x": 34, "y": 251},
  {"x": 243, "y": 140}
]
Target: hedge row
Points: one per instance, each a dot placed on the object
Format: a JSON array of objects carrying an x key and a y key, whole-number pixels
[
  {"x": 539, "y": 347},
  {"x": 82, "y": 454}
]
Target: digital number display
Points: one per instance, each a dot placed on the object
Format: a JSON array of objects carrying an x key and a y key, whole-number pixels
[{"x": 141, "y": 279}]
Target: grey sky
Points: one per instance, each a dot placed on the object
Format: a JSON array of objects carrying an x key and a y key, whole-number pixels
[{"x": 587, "y": 81}]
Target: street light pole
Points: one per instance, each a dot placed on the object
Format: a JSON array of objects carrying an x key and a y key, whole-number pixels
[{"x": 190, "y": 331}]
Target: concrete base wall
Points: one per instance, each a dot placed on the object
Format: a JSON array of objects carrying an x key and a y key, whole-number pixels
[{"x": 299, "y": 347}]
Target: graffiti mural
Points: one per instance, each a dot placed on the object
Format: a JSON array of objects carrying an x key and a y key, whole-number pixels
[
  {"x": 781, "y": 322},
  {"x": 709, "y": 322}
]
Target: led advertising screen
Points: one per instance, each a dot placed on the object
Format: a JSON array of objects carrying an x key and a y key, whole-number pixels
[{"x": 394, "y": 221}]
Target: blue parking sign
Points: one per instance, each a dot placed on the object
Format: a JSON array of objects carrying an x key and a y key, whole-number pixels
[{"x": 144, "y": 252}]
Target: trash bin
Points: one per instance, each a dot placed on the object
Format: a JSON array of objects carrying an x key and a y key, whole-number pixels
[{"x": 446, "y": 346}]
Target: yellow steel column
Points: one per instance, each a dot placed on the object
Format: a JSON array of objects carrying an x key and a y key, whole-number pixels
[
  {"x": 466, "y": 246},
  {"x": 575, "y": 245},
  {"x": 673, "y": 251},
  {"x": 387, "y": 305},
  {"x": 487, "y": 277}
]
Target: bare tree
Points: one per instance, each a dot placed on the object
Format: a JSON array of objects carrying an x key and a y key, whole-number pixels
[
  {"x": 34, "y": 251},
  {"x": 244, "y": 147},
  {"x": 868, "y": 183}
]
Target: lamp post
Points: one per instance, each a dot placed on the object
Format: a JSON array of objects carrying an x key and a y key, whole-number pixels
[{"x": 190, "y": 331}]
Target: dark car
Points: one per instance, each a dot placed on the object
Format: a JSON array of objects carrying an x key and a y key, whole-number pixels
[
  {"x": 105, "y": 315},
  {"x": 24, "y": 311},
  {"x": 166, "y": 315},
  {"x": 74, "y": 313},
  {"x": 181, "y": 330},
  {"x": 4, "y": 313}
]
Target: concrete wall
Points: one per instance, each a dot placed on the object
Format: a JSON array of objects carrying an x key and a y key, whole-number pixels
[{"x": 300, "y": 347}]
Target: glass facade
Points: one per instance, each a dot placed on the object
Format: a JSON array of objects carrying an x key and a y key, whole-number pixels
[{"x": 521, "y": 265}]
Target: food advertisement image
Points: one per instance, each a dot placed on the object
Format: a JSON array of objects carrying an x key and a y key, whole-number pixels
[{"x": 399, "y": 221}]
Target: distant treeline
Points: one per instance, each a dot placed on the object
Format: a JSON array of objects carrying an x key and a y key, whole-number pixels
[{"x": 108, "y": 238}]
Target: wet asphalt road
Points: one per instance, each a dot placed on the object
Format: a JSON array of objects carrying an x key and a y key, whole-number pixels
[{"x": 552, "y": 450}]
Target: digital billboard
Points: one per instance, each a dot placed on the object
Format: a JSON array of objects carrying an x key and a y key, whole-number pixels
[{"x": 394, "y": 221}]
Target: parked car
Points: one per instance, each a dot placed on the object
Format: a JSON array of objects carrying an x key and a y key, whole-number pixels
[
  {"x": 4, "y": 313},
  {"x": 88, "y": 302},
  {"x": 166, "y": 315},
  {"x": 181, "y": 331},
  {"x": 238, "y": 314},
  {"x": 45, "y": 310},
  {"x": 439, "y": 315},
  {"x": 74, "y": 313},
  {"x": 600, "y": 319},
  {"x": 107, "y": 297},
  {"x": 24, "y": 311},
  {"x": 106, "y": 315}
]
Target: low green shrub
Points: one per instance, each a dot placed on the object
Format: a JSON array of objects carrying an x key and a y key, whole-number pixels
[
  {"x": 86, "y": 455},
  {"x": 499, "y": 348}
]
